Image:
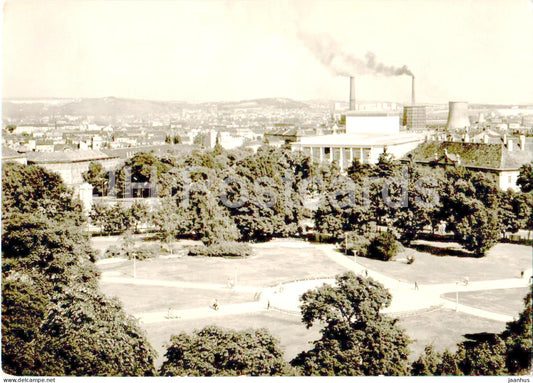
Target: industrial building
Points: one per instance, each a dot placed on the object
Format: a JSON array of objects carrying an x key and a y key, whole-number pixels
[
  {"x": 414, "y": 117},
  {"x": 367, "y": 135}
]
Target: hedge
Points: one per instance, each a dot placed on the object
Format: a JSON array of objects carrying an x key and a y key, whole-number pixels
[{"x": 222, "y": 249}]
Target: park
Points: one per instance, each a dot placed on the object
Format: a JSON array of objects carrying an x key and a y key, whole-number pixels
[{"x": 174, "y": 293}]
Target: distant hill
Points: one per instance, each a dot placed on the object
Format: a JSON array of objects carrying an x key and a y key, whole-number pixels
[
  {"x": 270, "y": 103},
  {"x": 121, "y": 107}
]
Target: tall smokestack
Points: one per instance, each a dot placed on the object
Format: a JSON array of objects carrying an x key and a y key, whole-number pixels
[
  {"x": 352, "y": 93},
  {"x": 412, "y": 90}
]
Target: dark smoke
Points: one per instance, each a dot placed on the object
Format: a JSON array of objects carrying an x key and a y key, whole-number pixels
[{"x": 343, "y": 63}]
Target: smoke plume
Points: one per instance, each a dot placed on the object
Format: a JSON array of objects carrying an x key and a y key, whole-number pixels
[{"x": 342, "y": 63}]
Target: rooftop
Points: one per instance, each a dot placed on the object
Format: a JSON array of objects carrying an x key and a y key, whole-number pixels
[
  {"x": 475, "y": 155},
  {"x": 348, "y": 139},
  {"x": 67, "y": 156}
]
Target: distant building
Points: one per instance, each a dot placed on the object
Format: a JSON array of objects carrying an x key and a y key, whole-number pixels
[
  {"x": 70, "y": 165},
  {"x": 502, "y": 159},
  {"x": 368, "y": 134},
  {"x": 10, "y": 155},
  {"x": 414, "y": 117}
]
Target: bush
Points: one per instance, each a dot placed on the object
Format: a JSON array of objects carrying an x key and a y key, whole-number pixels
[
  {"x": 383, "y": 247},
  {"x": 222, "y": 249},
  {"x": 113, "y": 252},
  {"x": 356, "y": 243},
  {"x": 140, "y": 253}
]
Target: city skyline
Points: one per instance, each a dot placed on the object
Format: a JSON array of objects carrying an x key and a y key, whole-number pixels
[{"x": 215, "y": 51}]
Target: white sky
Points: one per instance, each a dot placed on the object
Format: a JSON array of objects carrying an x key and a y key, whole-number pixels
[{"x": 478, "y": 51}]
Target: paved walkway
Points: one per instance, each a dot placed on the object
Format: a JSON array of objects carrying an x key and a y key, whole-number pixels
[
  {"x": 201, "y": 312},
  {"x": 405, "y": 297}
]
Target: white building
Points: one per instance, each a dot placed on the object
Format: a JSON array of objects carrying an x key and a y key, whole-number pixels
[{"x": 368, "y": 134}]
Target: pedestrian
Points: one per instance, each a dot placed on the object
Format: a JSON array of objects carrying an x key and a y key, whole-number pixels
[
  {"x": 366, "y": 273},
  {"x": 416, "y": 285},
  {"x": 268, "y": 305},
  {"x": 466, "y": 281},
  {"x": 522, "y": 274}
]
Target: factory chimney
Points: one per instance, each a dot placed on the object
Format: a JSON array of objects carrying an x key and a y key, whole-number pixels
[
  {"x": 412, "y": 90},
  {"x": 457, "y": 116},
  {"x": 352, "y": 94}
]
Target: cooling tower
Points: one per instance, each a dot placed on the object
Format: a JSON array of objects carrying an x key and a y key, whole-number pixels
[
  {"x": 352, "y": 94},
  {"x": 458, "y": 116}
]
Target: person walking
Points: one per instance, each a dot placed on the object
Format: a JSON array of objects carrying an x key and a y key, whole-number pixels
[{"x": 416, "y": 285}]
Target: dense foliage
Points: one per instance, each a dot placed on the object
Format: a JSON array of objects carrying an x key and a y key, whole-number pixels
[
  {"x": 356, "y": 338},
  {"x": 214, "y": 351},
  {"x": 54, "y": 319},
  {"x": 383, "y": 247},
  {"x": 485, "y": 354},
  {"x": 222, "y": 249}
]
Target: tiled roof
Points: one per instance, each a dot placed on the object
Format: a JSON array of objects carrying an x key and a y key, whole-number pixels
[
  {"x": 68, "y": 156},
  {"x": 8, "y": 153},
  {"x": 474, "y": 155}
]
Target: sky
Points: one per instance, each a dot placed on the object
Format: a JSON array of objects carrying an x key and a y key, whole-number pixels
[{"x": 469, "y": 50}]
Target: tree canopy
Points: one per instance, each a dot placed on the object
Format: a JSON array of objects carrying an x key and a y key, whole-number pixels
[
  {"x": 356, "y": 338},
  {"x": 214, "y": 351}
]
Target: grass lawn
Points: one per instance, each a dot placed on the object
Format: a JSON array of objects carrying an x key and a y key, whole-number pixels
[
  {"x": 504, "y": 301},
  {"x": 268, "y": 266},
  {"x": 139, "y": 299},
  {"x": 501, "y": 262},
  {"x": 288, "y": 329},
  {"x": 442, "y": 328}
]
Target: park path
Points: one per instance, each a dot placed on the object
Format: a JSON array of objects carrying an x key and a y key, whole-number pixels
[
  {"x": 406, "y": 298},
  {"x": 177, "y": 284},
  {"x": 201, "y": 312}
]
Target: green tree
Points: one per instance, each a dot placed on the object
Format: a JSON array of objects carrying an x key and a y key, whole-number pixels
[
  {"x": 169, "y": 223},
  {"x": 518, "y": 340},
  {"x": 356, "y": 338},
  {"x": 23, "y": 306},
  {"x": 485, "y": 357},
  {"x": 213, "y": 351},
  {"x": 479, "y": 228},
  {"x": 86, "y": 334},
  {"x": 383, "y": 246},
  {"x": 144, "y": 170},
  {"x": 54, "y": 320},
  {"x": 139, "y": 214},
  {"x": 525, "y": 178},
  {"x": 32, "y": 189},
  {"x": 218, "y": 149},
  {"x": 97, "y": 176},
  {"x": 427, "y": 364}
]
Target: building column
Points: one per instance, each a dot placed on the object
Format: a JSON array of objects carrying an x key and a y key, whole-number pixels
[
  {"x": 361, "y": 155},
  {"x": 351, "y": 156},
  {"x": 321, "y": 153},
  {"x": 330, "y": 155},
  {"x": 341, "y": 158}
]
